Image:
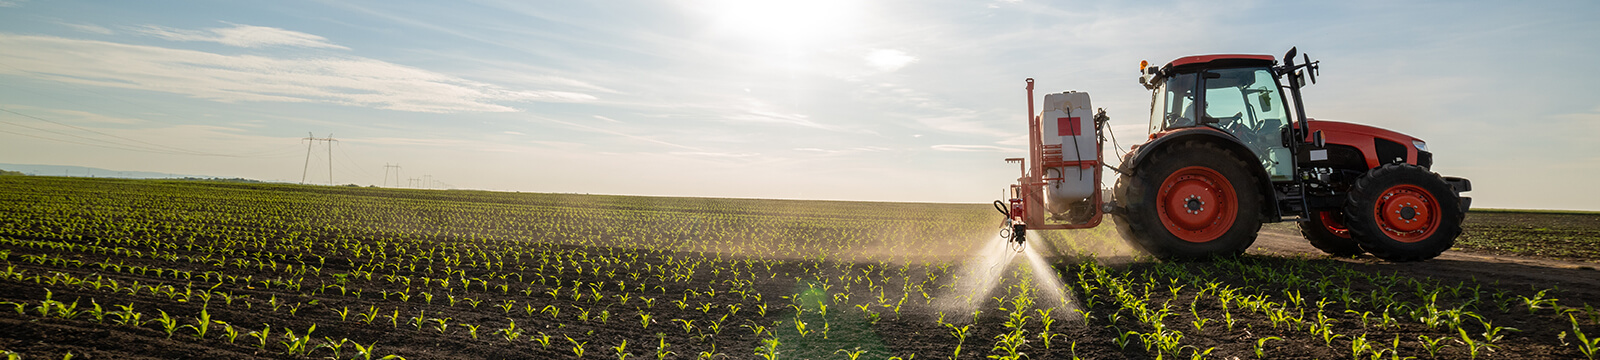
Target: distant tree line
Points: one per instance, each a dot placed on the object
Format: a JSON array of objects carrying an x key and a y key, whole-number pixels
[
  {"x": 4, "y": 172},
  {"x": 239, "y": 180}
]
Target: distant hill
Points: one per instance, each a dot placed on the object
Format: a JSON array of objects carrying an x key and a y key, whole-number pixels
[{"x": 81, "y": 171}]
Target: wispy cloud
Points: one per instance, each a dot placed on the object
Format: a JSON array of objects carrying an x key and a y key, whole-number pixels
[
  {"x": 618, "y": 133},
  {"x": 767, "y": 116},
  {"x": 76, "y": 115},
  {"x": 347, "y": 80},
  {"x": 88, "y": 28},
  {"x": 974, "y": 148},
  {"x": 854, "y": 150},
  {"x": 929, "y": 111},
  {"x": 248, "y": 36},
  {"x": 12, "y": 3},
  {"x": 715, "y": 154}
]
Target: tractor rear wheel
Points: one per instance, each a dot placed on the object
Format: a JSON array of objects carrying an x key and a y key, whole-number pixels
[
  {"x": 1326, "y": 231},
  {"x": 1402, "y": 212},
  {"x": 1190, "y": 201}
]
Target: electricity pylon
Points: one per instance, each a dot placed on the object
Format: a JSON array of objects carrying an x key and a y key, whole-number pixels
[
  {"x": 312, "y": 139},
  {"x": 396, "y": 168}
]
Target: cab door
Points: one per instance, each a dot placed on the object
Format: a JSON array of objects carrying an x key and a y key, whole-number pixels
[{"x": 1247, "y": 103}]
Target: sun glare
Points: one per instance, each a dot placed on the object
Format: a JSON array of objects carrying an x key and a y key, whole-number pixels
[{"x": 786, "y": 23}]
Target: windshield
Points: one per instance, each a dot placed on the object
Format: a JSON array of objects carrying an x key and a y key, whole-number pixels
[{"x": 1173, "y": 103}]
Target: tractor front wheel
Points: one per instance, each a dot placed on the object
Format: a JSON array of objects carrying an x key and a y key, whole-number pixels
[
  {"x": 1192, "y": 200},
  {"x": 1326, "y": 231},
  {"x": 1402, "y": 212}
]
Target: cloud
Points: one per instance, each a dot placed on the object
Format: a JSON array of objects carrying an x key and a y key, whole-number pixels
[
  {"x": 12, "y": 3},
  {"x": 929, "y": 111},
  {"x": 240, "y": 35},
  {"x": 974, "y": 148},
  {"x": 889, "y": 60},
  {"x": 765, "y": 116},
  {"x": 714, "y": 154},
  {"x": 859, "y": 149},
  {"x": 88, "y": 28},
  {"x": 75, "y": 115},
  {"x": 347, "y": 80},
  {"x": 997, "y": 3}
]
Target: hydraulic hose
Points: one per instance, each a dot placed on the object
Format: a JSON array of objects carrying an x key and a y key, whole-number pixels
[{"x": 1001, "y": 206}]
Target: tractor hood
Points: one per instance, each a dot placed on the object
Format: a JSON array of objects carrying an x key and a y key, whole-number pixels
[{"x": 1381, "y": 146}]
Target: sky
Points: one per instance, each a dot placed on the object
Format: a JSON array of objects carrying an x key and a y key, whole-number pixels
[{"x": 823, "y": 99}]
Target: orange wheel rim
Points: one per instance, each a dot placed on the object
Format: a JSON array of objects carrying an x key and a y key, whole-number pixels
[
  {"x": 1197, "y": 204},
  {"x": 1407, "y": 213},
  {"x": 1333, "y": 224}
]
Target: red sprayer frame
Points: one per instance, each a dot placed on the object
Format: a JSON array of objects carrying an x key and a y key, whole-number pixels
[{"x": 1029, "y": 190}]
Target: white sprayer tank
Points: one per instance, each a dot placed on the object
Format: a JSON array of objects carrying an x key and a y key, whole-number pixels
[{"x": 1070, "y": 151}]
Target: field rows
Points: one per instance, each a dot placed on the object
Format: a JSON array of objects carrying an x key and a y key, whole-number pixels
[{"x": 150, "y": 269}]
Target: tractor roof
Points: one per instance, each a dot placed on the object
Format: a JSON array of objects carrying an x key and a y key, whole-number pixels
[{"x": 1220, "y": 60}]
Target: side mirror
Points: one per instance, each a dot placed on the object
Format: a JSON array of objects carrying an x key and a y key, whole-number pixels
[
  {"x": 1318, "y": 140},
  {"x": 1266, "y": 101},
  {"x": 1311, "y": 68}
]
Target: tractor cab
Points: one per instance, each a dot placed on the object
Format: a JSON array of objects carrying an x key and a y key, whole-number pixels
[{"x": 1238, "y": 95}]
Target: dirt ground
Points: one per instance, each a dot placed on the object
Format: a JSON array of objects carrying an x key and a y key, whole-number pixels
[{"x": 1578, "y": 278}]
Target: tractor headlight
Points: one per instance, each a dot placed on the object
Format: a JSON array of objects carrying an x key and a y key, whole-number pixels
[{"x": 1421, "y": 146}]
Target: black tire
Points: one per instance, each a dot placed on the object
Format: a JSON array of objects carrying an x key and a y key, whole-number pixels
[
  {"x": 1326, "y": 231},
  {"x": 1233, "y": 226},
  {"x": 1402, "y": 212}
]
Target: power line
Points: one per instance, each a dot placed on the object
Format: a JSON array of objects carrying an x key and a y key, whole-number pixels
[
  {"x": 93, "y": 131},
  {"x": 147, "y": 147},
  {"x": 350, "y": 166}
]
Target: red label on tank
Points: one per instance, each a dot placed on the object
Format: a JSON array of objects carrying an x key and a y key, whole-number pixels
[{"x": 1067, "y": 126}]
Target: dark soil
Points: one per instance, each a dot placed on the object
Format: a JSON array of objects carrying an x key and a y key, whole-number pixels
[
  {"x": 1572, "y": 236},
  {"x": 293, "y": 257}
]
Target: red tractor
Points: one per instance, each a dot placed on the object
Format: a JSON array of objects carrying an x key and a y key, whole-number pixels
[{"x": 1230, "y": 148}]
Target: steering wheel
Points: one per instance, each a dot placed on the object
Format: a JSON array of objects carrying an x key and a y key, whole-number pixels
[{"x": 1232, "y": 125}]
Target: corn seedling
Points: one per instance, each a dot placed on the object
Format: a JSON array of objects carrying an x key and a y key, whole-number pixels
[
  {"x": 1261, "y": 346},
  {"x": 1474, "y": 347},
  {"x": 543, "y": 340},
  {"x": 1589, "y": 347},
  {"x": 298, "y": 345},
  {"x": 577, "y": 347},
  {"x": 168, "y": 323},
  {"x": 768, "y": 349},
  {"x": 662, "y": 345}
]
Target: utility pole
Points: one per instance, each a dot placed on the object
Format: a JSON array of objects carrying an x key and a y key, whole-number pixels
[
  {"x": 412, "y": 182},
  {"x": 396, "y": 168},
  {"x": 311, "y": 139},
  {"x": 427, "y": 181}
]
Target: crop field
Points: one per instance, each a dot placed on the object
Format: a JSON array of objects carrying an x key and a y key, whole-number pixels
[
  {"x": 1562, "y": 235},
  {"x": 143, "y": 269}
]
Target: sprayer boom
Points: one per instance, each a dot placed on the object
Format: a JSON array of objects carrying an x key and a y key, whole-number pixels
[{"x": 1059, "y": 187}]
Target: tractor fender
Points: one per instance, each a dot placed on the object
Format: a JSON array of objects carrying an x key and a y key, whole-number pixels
[{"x": 1139, "y": 156}]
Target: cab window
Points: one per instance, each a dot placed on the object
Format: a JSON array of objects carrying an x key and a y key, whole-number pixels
[
  {"x": 1173, "y": 103},
  {"x": 1248, "y": 104}
]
